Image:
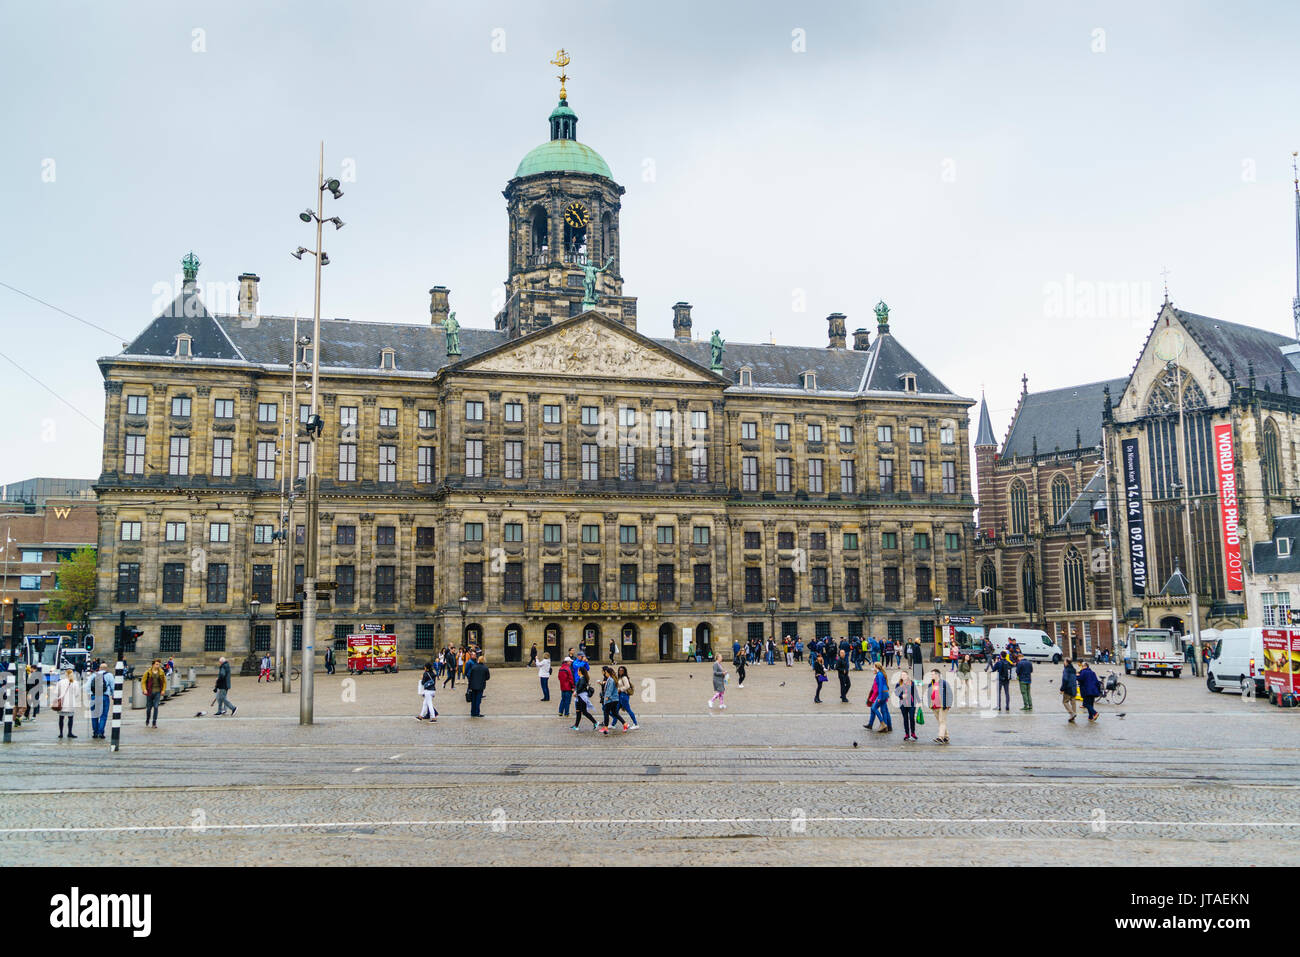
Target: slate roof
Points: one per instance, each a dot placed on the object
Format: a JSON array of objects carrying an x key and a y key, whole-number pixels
[
  {"x": 1080, "y": 510},
  {"x": 1177, "y": 584},
  {"x": 1232, "y": 346},
  {"x": 1059, "y": 417},
  {"x": 1264, "y": 557},
  {"x": 985, "y": 434},
  {"x": 421, "y": 348}
]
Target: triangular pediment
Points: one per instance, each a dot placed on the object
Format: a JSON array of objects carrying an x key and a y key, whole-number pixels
[{"x": 589, "y": 346}]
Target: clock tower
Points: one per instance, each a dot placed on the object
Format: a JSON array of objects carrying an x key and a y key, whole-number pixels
[{"x": 563, "y": 207}]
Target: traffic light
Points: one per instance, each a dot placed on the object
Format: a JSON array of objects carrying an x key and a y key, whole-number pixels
[
  {"x": 20, "y": 624},
  {"x": 125, "y": 635},
  {"x": 90, "y": 642}
]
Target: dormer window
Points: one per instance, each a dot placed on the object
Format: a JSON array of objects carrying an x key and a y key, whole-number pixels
[
  {"x": 388, "y": 359},
  {"x": 908, "y": 380},
  {"x": 747, "y": 377},
  {"x": 809, "y": 380},
  {"x": 1284, "y": 548},
  {"x": 183, "y": 346}
]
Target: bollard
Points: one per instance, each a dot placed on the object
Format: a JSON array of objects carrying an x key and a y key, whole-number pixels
[
  {"x": 193, "y": 679},
  {"x": 117, "y": 705},
  {"x": 10, "y": 689},
  {"x": 137, "y": 695}
]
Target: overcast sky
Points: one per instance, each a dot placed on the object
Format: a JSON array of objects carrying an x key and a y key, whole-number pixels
[{"x": 1010, "y": 178}]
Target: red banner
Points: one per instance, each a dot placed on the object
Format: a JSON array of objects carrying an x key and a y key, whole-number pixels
[{"x": 1229, "y": 511}]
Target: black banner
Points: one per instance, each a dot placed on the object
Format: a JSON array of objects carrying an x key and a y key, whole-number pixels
[{"x": 1137, "y": 537}]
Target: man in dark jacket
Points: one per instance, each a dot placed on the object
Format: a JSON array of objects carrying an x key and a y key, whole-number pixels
[
  {"x": 1004, "y": 670},
  {"x": 842, "y": 669},
  {"x": 1089, "y": 689},
  {"x": 329, "y": 659},
  {"x": 1024, "y": 672},
  {"x": 1069, "y": 688},
  {"x": 222, "y": 686},
  {"x": 477, "y": 678}
]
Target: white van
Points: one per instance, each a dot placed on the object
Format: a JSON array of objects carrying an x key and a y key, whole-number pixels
[
  {"x": 1230, "y": 666},
  {"x": 1034, "y": 644}
]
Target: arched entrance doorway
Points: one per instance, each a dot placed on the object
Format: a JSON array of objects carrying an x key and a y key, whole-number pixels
[
  {"x": 666, "y": 633},
  {"x": 1174, "y": 622},
  {"x": 474, "y": 636},
  {"x": 552, "y": 638},
  {"x": 514, "y": 642},
  {"x": 589, "y": 644},
  {"x": 630, "y": 637},
  {"x": 704, "y": 640}
]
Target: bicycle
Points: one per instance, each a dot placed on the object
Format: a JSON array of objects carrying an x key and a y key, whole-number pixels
[{"x": 1113, "y": 690}]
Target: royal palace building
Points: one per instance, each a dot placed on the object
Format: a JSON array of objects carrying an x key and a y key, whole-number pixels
[{"x": 561, "y": 477}]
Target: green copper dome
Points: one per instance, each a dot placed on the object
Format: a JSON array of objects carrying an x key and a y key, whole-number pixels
[{"x": 563, "y": 153}]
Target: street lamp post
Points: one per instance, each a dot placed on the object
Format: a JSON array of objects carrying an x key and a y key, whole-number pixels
[
  {"x": 938, "y": 607},
  {"x": 306, "y": 688},
  {"x": 464, "y": 609},
  {"x": 771, "y": 613},
  {"x": 253, "y": 607}
]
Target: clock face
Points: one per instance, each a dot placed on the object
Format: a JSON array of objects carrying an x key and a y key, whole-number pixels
[{"x": 576, "y": 216}]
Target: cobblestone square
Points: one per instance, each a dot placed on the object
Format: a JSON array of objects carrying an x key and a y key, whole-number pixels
[{"x": 1175, "y": 776}]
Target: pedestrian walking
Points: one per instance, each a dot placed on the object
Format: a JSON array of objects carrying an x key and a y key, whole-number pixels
[
  {"x": 532, "y": 657},
  {"x": 878, "y": 699},
  {"x": 988, "y": 655},
  {"x": 1089, "y": 689},
  {"x": 155, "y": 686},
  {"x": 1189, "y": 652},
  {"x": 1004, "y": 669},
  {"x": 908, "y": 696},
  {"x": 222, "y": 688},
  {"x": 1024, "y": 673},
  {"x": 329, "y": 659},
  {"x": 1069, "y": 689},
  {"x": 67, "y": 699},
  {"x": 625, "y": 694},
  {"x": 940, "y": 701},
  {"x": 609, "y": 700},
  {"x": 819, "y": 675},
  {"x": 101, "y": 699},
  {"x": 952, "y": 655},
  {"x": 789, "y": 654},
  {"x": 477, "y": 675},
  {"x": 544, "y": 676},
  {"x": 964, "y": 676},
  {"x": 740, "y": 670},
  {"x": 428, "y": 687},
  {"x": 613, "y": 650},
  {"x": 582, "y": 695},
  {"x": 566, "y": 685},
  {"x": 719, "y": 685},
  {"x": 842, "y": 670},
  {"x": 264, "y": 672},
  {"x": 918, "y": 658}
]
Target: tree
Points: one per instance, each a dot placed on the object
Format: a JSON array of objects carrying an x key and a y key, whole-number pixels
[{"x": 74, "y": 595}]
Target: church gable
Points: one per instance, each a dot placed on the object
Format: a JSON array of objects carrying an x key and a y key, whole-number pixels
[
  {"x": 1170, "y": 340},
  {"x": 589, "y": 346}
]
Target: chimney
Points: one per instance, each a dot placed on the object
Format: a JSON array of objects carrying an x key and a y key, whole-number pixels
[
  {"x": 682, "y": 321},
  {"x": 248, "y": 295},
  {"x": 835, "y": 330},
  {"x": 438, "y": 307},
  {"x": 861, "y": 340}
]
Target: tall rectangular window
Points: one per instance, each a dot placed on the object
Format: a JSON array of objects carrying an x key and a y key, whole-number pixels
[
  {"x": 785, "y": 584},
  {"x": 889, "y": 578},
  {"x": 884, "y": 433},
  {"x": 949, "y": 476},
  {"x": 749, "y": 473},
  {"x": 346, "y": 576},
  {"x": 551, "y": 461},
  {"x": 885, "y": 470},
  {"x": 266, "y": 460},
  {"x": 591, "y": 415},
  {"x": 921, "y": 541},
  {"x": 223, "y": 408},
  {"x": 388, "y": 463},
  {"x": 955, "y": 589},
  {"x": 514, "y": 460},
  {"x": 923, "y": 590},
  {"x": 781, "y": 431},
  {"x": 814, "y": 432},
  {"x": 128, "y": 582},
  {"x": 590, "y": 582},
  {"x": 699, "y": 535},
  {"x": 262, "y": 583},
  {"x": 627, "y": 590},
  {"x": 852, "y": 586},
  {"x": 304, "y": 459},
  {"x": 888, "y": 541},
  {"x": 427, "y": 418},
  {"x": 348, "y": 422},
  {"x": 473, "y": 411},
  {"x": 783, "y": 474},
  {"x": 424, "y": 464},
  {"x": 551, "y": 414},
  {"x": 785, "y": 540},
  {"x": 700, "y": 463},
  {"x": 424, "y": 536},
  {"x": 850, "y": 541},
  {"x": 753, "y": 583},
  {"x": 218, "y": 579},
  {"x": 552, "y": 581},
  {"x": 514, "y": 411},
  {"x": 627, "y": 462},
  {"x": 134, "y": 464},
  {"x": 918, "y": 475},
  {"x": 169, "y": 639},
  {"x": 753, "y": 540},
  {"x": 221, "y": 455},
  {"x": 512, "y": 585},
  {"x": 178, "y": 461},
  {"x": 473, "y": 581},
  {"x": 952, "y": 541},
  {"x": 181, "y": 406},
  {"x": 590, "y": 462},
  {"x": 815, "y": 476},
  {"x": 347, "y": 463},
  {"x": 473, "y": 458},
  {"x": 748, "y": 431},
  {"x": 848, "y": 484},
  {"x": 915, "y": 434},
  {"x": 846, "y": 435},
  {"x": 385, "y": 584},
  {"x": 666, "y": 582},
  {"x": 388, "y": 418},
  {"x": 627, "y": 534},
  {"x": 946, "y": 435},
  {"x": 704, "y": 583},
  {"x": 820, "y": 590},
  {"x": 663, "y": 463}
]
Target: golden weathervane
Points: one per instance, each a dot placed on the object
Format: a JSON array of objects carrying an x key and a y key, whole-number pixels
[{"x": 561, "y": 60}]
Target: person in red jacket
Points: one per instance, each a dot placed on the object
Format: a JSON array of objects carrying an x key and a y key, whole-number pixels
[{"x": 566, "y": 685}]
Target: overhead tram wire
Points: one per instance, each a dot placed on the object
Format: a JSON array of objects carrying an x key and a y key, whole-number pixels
[
  {"x": 85, "y": 322},
  {"x": 98, "y": 425}
]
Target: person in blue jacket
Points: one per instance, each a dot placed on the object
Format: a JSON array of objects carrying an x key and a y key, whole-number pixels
[
  {"x": 1089, "y": 689},
  {"x": 880, "y": 707}
]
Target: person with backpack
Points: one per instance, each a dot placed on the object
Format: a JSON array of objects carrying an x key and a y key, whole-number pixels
[
  {"x": 222, "y": 688},
  {"x": 1004, "y": 670},
  {"x": 566, "y": 685},
  {"x": 609, "y": 700},
  {"x": 1024, "y": 672},
  {"x": 101, "y": 697},
  {"x": 428, "y": 686},
  {"x": 155, "y": 686},
  {"x": 1069, "y": 688},
  {"x": 582, "y": 695},
  {"x": 878, "y": 698},
  {"x": 625, "y": 694},
  {"x": 940, "y": 701}
]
